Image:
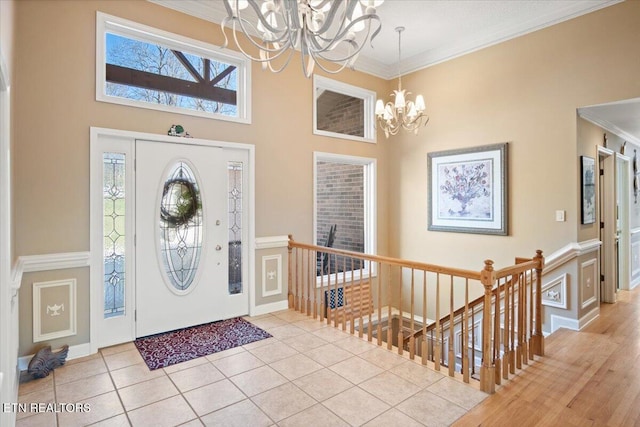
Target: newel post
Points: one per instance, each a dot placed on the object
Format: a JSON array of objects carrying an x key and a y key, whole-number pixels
[
  {"x": 537, "y": 340},
  {"x": 487, "y": 371},
  {"x": 290, "y": 268}
]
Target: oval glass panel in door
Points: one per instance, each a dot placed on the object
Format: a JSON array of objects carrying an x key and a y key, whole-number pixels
[{"x": 181, "y": 226}]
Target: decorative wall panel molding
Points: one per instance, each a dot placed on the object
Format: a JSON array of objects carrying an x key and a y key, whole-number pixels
[
  {"x": 554, "y": 292},
  {"x": 271, "y": 275},
  {"x": 54, "y": 309},
  {"x": 589, "y": 282}
]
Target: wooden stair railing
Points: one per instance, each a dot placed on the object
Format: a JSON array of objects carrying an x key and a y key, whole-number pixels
[{"x": 490, "y": 315}]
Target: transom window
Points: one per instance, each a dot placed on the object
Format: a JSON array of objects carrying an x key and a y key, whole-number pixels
[
  {"x": 149, "y": 68},
  {"x": 343, "y": 111}
]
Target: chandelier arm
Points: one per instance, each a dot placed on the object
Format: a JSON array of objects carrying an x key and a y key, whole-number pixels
[
  {"x": 260, "y": 16},
  {"x": 227, "y": 5},
  {"x": 286, "y": 42},
  {"x": 223, "y": 25},
  {"x": 331, "y": 42},
  {"x": 318, "y": 55},
  {"x": 253, "y": 30},
  {"x": 278, "y": 52},
  {"x": 291, "y": 16},
  {"x": 338, "y": 38},
  {"x": 332, "y": 12},
  {"x": 416, "y": 123},
  {"x": 330, "y": 71},
  {"x": 308, "y": 63},
  {"x": 283, "y": 36},
  {"x": 268, "y": 63},
  {"x": 292, "y": 24},
  {"x": 377, "y": 31},
  {"x": 355, "y": 52}
]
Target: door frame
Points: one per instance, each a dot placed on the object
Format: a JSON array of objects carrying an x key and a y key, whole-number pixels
[
  {"x": 99, "y": 142},
  {"x": 607, "y": 224},
  {"x": 623, "y": 185},
  {"x": 9, "y": 320},
  {"x": 613, "y": 217}
]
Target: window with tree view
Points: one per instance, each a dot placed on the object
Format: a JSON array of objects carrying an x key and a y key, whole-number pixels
[{"x": 154, "y": 69}]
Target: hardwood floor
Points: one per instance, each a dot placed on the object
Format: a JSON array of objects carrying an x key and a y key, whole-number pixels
[{"x": 587, "y": 378}]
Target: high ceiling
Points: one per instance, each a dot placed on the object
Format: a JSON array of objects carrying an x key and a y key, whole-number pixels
[
  {"x": 436, "y": 30},
  {"x": 439, "y": 30}
]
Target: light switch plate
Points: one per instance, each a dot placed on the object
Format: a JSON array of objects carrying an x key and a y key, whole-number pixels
[{"x": 560, "y": 216}]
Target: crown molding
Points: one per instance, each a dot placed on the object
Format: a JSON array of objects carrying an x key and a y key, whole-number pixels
[
  {"x": 607, "y": 125},
  {"x": 502, "y": 34},
  {"x": 214, "y": 11}
]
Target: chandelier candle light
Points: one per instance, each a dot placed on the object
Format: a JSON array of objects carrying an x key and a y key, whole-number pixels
[
  {"x": 402, "y": 113},
  {"x": 329, "y": 30}
]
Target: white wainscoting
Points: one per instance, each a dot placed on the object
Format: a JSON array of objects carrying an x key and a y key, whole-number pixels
[
  {"x": 271, "y": 274},
  {"x": 573, "y": 324},
  {"x": 271, "y": 242},
  {"x": 589, "y": 282},
  {"x": 48, "y": 262},
  {"x": 569, "y": 252},
  {"x": 554, "y": 292}
]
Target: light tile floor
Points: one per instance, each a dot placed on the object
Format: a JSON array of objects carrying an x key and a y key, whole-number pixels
[{"x": 308, "y": 374}]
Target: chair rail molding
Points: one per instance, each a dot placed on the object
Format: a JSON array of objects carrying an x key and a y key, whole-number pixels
[
  {"x": 271, "y": 242},
  {"x": 46, "y": 262},
  {"x": 570, "y": 252}
]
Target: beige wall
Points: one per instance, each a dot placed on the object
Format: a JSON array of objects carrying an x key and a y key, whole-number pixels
[
  {"x": 55, "y": 106},
  {"x": 56, "y": 88},
  {"x": 525, "y": 92}
]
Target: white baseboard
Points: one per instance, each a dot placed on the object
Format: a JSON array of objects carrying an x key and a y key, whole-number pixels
[
  {"x": 558, "y": 322},
  {"x": 270, "y": 308},
  {"x": 75, "y": 352},
  {"x": 590, "y": 317}
]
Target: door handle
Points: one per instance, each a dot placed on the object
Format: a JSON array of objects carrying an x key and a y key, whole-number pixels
[{"x": 218, "y": 248}]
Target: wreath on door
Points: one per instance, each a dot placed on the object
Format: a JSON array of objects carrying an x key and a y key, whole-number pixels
[{"x": 179, "y": 202}]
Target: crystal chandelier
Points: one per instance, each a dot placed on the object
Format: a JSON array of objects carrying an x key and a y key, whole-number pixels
[
  {"x": 328, "y": 30},
  {"x": 402, "y": 113}
]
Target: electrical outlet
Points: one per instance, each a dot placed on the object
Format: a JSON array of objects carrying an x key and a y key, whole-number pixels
[{"x": 560, "y": 216}]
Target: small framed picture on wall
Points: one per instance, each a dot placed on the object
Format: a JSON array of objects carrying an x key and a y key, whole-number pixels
[{"x": 588, "y": 189}]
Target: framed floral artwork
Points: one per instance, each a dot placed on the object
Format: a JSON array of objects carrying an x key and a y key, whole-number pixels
[{"x": 468, "y": 190}]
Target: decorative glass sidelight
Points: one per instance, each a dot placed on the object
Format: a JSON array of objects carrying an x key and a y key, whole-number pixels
[
  {"x": 181, "y": 226},
  {"x": 113, "y": 203},
  {"x": 235, "y": 227}
]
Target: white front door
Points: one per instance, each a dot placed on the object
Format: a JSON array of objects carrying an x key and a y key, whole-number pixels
[{"x": 187, "y": 231}]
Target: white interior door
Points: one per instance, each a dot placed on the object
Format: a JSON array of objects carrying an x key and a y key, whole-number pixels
[{"x": 183, "y": 243}]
